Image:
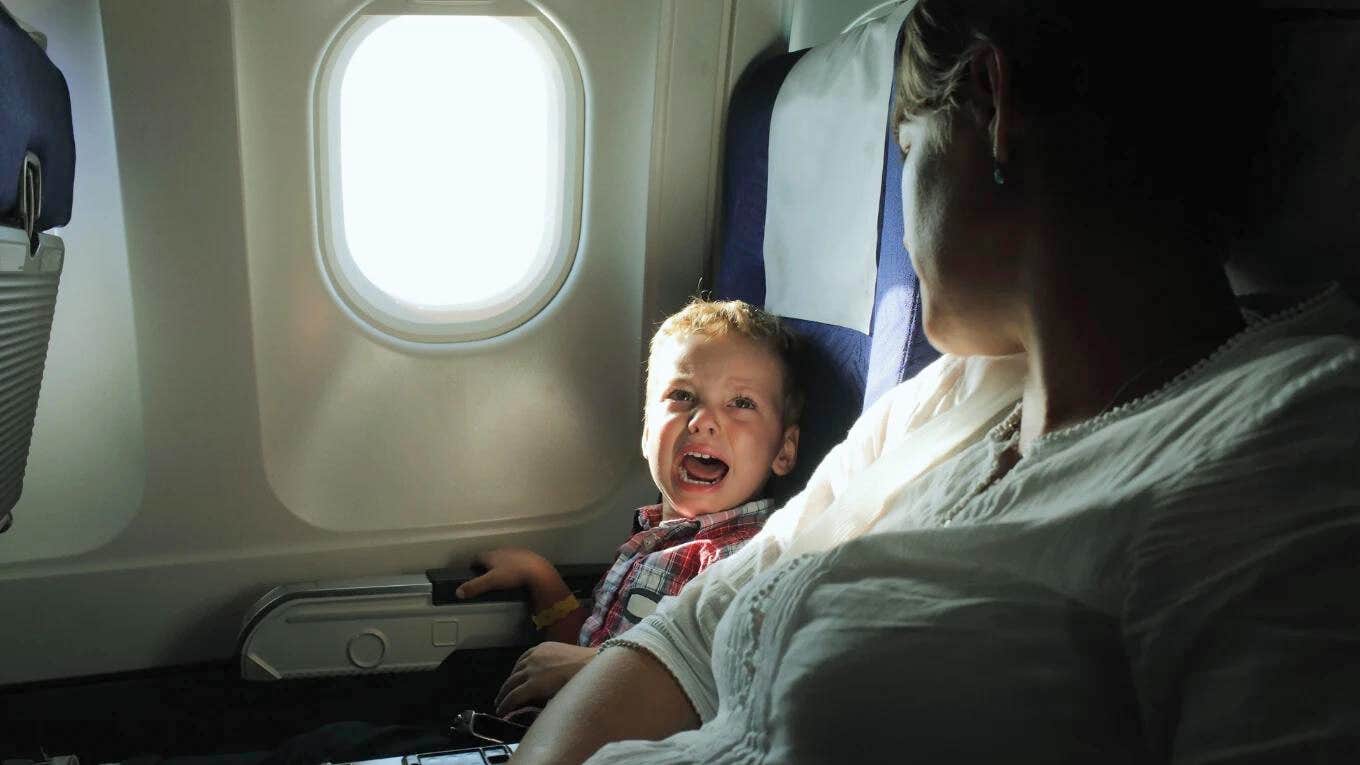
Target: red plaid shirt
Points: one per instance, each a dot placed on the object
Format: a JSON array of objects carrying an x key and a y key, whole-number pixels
[{"x": 657, "y": 561}]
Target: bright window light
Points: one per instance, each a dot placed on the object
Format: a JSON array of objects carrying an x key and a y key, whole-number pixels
[{"x": 450, "y": 137}]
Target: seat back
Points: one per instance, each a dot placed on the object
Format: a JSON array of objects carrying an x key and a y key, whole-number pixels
[
  {"x": 37, "y": 175},
  {"x": 35, "y": 127},
  {"x": 843, "y": 370}
]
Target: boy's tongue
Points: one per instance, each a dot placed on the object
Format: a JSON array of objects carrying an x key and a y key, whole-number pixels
[{"x": 705, "y": 469}]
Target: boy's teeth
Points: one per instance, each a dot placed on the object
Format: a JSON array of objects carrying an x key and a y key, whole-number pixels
[{"x": 702, "y": 469}]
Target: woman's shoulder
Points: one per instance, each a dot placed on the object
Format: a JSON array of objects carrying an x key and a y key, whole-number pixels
[
  {"x": 944, "y": 385},
  {"x": 1277, "y": 402},
  {"x": 1325, "y": 316},
  {"x": 1282, "y": 394},
  {"x": 1309, "y": 350}
]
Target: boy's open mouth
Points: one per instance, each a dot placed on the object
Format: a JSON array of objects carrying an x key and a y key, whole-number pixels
[{"x": 702, "y": 469}]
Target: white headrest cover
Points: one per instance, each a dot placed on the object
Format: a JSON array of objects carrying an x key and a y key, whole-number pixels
[{"x": 827, "y": 137}]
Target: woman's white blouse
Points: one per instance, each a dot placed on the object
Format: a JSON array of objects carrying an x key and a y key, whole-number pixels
[{"x": 1175, "y": 579}]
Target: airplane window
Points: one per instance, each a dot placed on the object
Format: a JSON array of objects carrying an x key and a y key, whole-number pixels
[{"x": 450, "y": 172}]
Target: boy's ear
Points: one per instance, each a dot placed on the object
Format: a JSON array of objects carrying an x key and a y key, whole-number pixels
[
  {"x": 788, "y": 452},
  {"x": 642, "y": 445}
]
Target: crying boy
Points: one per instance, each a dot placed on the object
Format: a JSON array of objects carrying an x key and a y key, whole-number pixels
[{"x": 721, "y": 418}]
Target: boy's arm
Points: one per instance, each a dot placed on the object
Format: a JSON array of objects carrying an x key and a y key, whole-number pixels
[
  {"x": 512, "y": 567},
  {"x": 548, "y": 592}
]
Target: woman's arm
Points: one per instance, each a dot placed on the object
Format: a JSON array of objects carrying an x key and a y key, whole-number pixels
[
  {"x": 1274, "y": 677},
  {"x": 1242, "y": 619},
  {"x": 622, "y": 694}
]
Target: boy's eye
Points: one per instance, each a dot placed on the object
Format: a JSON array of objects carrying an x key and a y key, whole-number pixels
[
  {"x": 742, "y": 402},
  {"x": 680, "y": 395}
]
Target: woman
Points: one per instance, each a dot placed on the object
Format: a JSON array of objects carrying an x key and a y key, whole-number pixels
[{"x": 1113, "y": 523}]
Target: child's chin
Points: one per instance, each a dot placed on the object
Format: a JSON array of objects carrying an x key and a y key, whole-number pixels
[{"x": 699, "y": 506}]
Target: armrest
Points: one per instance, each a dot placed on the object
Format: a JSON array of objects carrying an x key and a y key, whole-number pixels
[{"x": 385, "y": 624}]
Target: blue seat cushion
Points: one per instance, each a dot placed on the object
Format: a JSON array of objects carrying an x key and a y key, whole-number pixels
[{"x": 833, "y": 361}]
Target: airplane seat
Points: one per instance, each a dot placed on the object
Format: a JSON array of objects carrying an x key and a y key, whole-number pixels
[
  {"x": 843, "y": 370},
  {"x": 37, "y": 175}
]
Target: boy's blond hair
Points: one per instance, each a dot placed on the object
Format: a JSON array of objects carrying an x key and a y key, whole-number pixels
[{"x": 717, "y": 318}]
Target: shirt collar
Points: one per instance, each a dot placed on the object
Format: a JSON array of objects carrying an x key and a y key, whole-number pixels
[{"x": 649, "y": 517}]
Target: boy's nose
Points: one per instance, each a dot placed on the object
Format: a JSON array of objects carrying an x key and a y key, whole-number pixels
[{"x": 703, "y": 421}]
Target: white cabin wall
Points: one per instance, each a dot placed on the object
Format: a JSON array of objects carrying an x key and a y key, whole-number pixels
[
  {"x": 205, "y": 199},
  {"x": 475, "y": 433},
  {"x": 709, "y": 44}
]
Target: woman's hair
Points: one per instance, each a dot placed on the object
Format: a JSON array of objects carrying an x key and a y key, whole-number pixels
[
  {"x": 1165, "y": 106},
  {"x": 718, "y": 318}
]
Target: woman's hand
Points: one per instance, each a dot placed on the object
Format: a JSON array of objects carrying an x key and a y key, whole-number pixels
[
  {"x": 620, "y": 694},
  {"x": 540, "y": 673},
  {"x": 508, "y": 568}
]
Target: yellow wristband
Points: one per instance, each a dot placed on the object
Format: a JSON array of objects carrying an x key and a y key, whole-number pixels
[{"x": 555, "y": 613}]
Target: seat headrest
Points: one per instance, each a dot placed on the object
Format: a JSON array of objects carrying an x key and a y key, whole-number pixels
[{"x": 825, "y": 177}]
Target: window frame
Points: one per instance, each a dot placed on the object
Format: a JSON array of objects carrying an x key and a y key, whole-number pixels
[{"x": 375, "y": 311}]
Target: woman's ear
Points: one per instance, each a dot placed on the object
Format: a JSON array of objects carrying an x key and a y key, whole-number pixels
[
  {"x": 788, "y": 452},
  {"x": 991, "y": 97}
]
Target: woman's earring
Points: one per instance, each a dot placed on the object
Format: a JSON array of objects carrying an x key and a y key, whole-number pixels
[{"x": 997, "y": 175}]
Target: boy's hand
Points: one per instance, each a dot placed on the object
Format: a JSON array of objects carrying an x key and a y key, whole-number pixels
[
  {"x": 508, "y": 568},
  {"x": 540, "y": 673}
]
